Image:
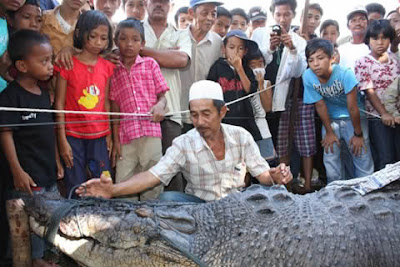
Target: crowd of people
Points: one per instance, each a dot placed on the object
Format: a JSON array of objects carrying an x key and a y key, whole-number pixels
[{"x": 199, "y": 109}]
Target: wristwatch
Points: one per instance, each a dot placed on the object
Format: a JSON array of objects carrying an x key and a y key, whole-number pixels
[{"x": 358, "y": 135}]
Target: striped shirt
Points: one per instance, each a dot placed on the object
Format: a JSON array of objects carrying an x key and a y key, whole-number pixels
[{"x": 208, "y": 178}]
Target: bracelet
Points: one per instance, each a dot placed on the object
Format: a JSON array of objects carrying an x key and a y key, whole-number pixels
[{"x": 358, "y": 135}]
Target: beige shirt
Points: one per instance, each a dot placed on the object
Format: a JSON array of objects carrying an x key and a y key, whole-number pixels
[
  {"x": 170, "y": 38},
  {"x": 208, "y": 178},
  {"x": 204, "y": 54}
]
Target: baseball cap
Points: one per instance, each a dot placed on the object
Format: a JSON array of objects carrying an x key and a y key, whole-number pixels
[
  {"x": 206, "y": 90},
  {"x": 200, "y": 2},
  {"x": 251, "y": 45},
  {"x": 257, "y": 13},
  {"x": 357, "y": 9}
]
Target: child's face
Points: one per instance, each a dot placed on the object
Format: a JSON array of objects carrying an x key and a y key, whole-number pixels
[
  {"x": 256, "y": 63},
  {"x": 320, "y": 63},
  {"x": 184, "y": 20},
  {"x": 11, "y": 5},
  {"x": 235, "y": 46},
  {"x": 135, "y": 9},
  {"x": 239, "y": 22},
  {"x": 331, "y": 34},
  {"x": 28, "y": 17},
  {"x": 38, "y": 63},
  {"x": 96, "y": 40},
  {"x": 74, "y": 4},
  {"x": 108, "y": 7},
  {"x": 379, "y": 44},
  {"x": 129, "y": 42},
  {"x": 221, "y": 25}
]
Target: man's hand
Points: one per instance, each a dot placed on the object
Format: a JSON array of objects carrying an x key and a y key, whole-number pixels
[
  {"x": 275, "y": 41},
  {"x": 328, "y": 142},
  {"x": 235, "y": 61},
  {"x": 287, "y": 39},
  {"x": 281, "y": 174},
  {"x": 96, "y": 187},
  {"x": 158, "y": 112},
  {"x": 388, "y": 119},
  {"x": 116, "y": 153},
  {"x": 64, "y": 58},
  {"x": 113, "y": 57},
  {"x": 357, "y": 145},
  {"x": 23, "y": 182},
  {"x": 66, "y": 153}
]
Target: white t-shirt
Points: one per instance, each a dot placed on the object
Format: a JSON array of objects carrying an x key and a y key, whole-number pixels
[{"x": 350, "y": 53}]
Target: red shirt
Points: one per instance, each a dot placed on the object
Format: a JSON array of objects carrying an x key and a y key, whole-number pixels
[
  {"x": 86, "y": 91},
  {"x": 135, "y": 91}
]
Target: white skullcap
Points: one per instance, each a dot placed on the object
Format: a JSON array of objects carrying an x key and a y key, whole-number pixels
[{"x": 206, "y": 90}]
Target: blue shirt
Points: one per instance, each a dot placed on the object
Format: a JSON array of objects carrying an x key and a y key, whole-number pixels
[
  {"x": 341, "y": 82},
  {"x": 3, "y": 47}
]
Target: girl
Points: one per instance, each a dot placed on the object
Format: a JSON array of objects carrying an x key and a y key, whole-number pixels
[
  {"x": 85, "y": 88},
  {"x": 376, "y": 72},
  {"x": 261, "y": 103}
]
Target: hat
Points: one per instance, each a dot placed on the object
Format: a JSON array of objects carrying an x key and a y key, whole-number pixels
[
  {"x": 251, "y": 45},
  {"x": 357, "y": 9},
  {"x": 206, "y": 90},
  {"x": 200, "y": 2},
  {"x": 257, "y": 13}
]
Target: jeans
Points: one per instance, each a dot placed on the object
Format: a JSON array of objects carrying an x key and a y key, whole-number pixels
[
  {"x": 37, "y": 243},
  {"x": 383, "y": 143},
  {"x": 363, "y": 164},
  {"x": 179, "y": 197}
]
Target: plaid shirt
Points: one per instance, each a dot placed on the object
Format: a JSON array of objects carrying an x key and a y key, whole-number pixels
[
  {"x": 135, "y": 91},
  {"x": 208, "y": 178}
]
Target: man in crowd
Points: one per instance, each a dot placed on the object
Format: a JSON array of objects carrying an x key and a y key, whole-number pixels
[
  {"x": 258, "y": 19},
  {"x": 213, "y": 157}
]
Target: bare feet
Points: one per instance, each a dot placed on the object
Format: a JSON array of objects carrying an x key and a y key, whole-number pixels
[{"x": 43, "y": 263}]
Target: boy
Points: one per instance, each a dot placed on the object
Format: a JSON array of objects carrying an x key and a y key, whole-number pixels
[
  {"x": 29, "y": 16},
  {"x": 134, "y": 9},
  {"x": 237, "y": 80},
  {"x": 30, "y": 150},
  {"x": 240, "y": 20},
  {"x": 137, "y": 86},
  {"x": 314, "y": 16},
  {"x": 108, "y": 7},
  {"x": 333, "y": 90},
  {"x": 182, "y": 18},
  {"x": 223, "y": 21}
]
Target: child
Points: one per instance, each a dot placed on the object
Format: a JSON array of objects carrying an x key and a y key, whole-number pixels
[
  {"x": 29, "y": 16},
  {"x": 5, "y": 6},
  {"x": 223, "y": 21},
  {"x": 182, "y": 18},
  {"x": 108, "y": 7},
  {"x": 134, "y": 9},
  {"x": 30, "y": 150},
  {"x": 240, "y": 20},
  {"x": 136, "y": 86},
  {"x": 330, "y": 31},
  {"x": 333, "y": 90},
  {"x": 376, "y": 72},
  {"x": 85, "y": 88},
  {"x": 261, "y": 103},
  {"x": 237, "y": 80}
]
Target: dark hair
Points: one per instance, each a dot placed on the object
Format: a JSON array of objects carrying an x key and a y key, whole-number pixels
[
  {"x": 291, "y": 3},
  {"x": 375, "y": 7},
  {"x": 391, "y": 12},
  {"x": 327, "y": 23},
  {"x": 317, "y": 7},
  {"x": 223, "y": 12},
  {"x": 252, "y": 55},
  {"x": 130, "y": 23},
  {"x": 240, "y": 12},
  {"x": 184, "y": 10},
  {"x": 318, "y": 43},
  {"x": 11, "y": 14},
  {"x": 21, "y": 43},
  {"x": 377, "y": 27},
  {"x": 218, "y": 104},
  {"x": 87, "y": 22}
]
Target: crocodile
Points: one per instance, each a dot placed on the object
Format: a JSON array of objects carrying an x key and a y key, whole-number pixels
[{"x": 260, "y": 226}]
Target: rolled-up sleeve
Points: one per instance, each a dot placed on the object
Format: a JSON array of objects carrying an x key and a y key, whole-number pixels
[{"x": 255, "y": 163}]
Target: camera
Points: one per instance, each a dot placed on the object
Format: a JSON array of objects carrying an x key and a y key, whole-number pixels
[{"x": 277, "y": 29}]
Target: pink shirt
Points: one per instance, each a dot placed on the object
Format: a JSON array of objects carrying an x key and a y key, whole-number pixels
[
  {"x": 135, "y": 91},
  {"x": 373, "y": 74}
]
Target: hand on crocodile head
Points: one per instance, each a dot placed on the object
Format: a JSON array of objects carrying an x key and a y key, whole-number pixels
[
  {"x": 96, "y": 187},
  {"x": 281, "y": 174}
]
